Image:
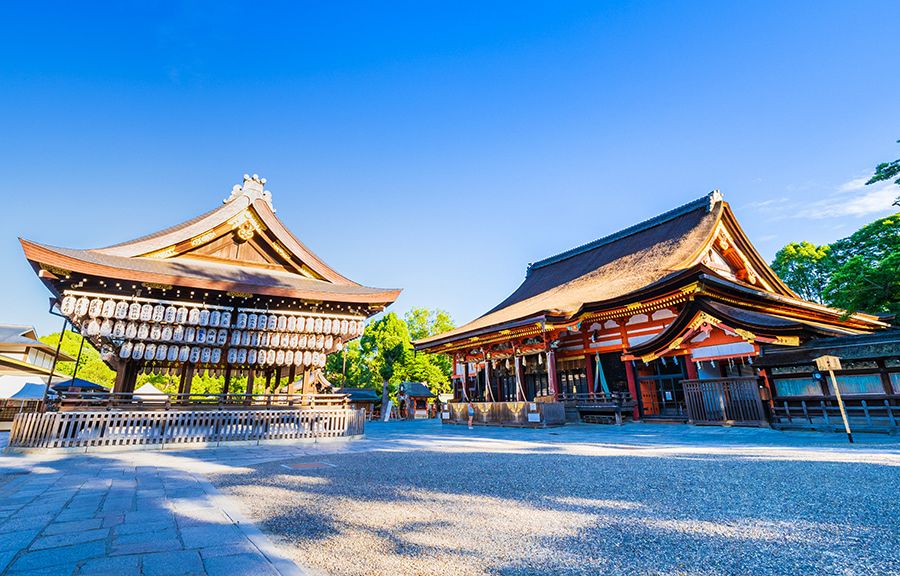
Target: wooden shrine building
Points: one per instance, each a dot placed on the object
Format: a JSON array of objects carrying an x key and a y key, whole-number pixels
[
  {"x": 664, "y": 318},
  {"x": 231, "y": 292}
]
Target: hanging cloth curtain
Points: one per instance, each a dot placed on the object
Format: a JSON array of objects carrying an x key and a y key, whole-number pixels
[{"x": 600, "y": 377}]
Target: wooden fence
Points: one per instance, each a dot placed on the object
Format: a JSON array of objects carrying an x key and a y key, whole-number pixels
[
  {"x": 880, "y": 413},
  {"x": 731, "y": 401},
  {"x": 523, "y": 414},
  {"x": 161, "y": 429},
  {"x": 82, "y": 401}
]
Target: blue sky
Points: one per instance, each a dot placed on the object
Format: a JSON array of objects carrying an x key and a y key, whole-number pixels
[{"x": 440, "y": 147}]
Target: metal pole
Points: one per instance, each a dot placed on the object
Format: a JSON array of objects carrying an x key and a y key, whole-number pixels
[
  {"x": 78, "y": 360},
  {"x": 55, "y": 359},
  {"x": 837, "y": 392}
]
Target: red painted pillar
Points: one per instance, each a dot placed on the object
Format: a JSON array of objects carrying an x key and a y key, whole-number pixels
[
  {"x": 690, "y": 367},
  {"x": 551, "y": 373},
  {"x": 589, "y": 373},
  {"x": 632, "y": 387}
]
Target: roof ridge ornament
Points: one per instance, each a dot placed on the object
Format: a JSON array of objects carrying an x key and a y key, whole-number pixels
[
  {"x": 252, "y": 188},
  {"x": 715, "y": 197}
]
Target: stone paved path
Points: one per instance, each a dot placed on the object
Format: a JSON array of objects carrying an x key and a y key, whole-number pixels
[{"x": 155, "y": 513}]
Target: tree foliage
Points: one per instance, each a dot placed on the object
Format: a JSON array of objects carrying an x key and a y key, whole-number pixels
[
  {"x": 90, "y": 366},
  {"x": 860, "y": 273},
  {"x": 886, "y": 171},
  {"x": 385, "y": 354}
]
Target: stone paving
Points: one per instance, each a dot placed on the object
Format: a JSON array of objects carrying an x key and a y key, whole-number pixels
[{"x": 156, "y": 513}]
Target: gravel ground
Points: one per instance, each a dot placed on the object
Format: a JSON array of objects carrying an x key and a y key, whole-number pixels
[{"x": 432, "y": 501}]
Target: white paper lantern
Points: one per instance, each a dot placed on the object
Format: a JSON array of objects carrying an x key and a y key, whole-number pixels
[
  {"x": 310, "y": 326},
  {"x": 231, "y": 357},
  {"x": 81, "y": 306},
  {"x": 298, "y": 358},
  {"x": 106, "y": 328},
  {"x": 131, "y": 330},
  {"x": 109, "y": 309},
  {"x": 205, "y": 355},
  {"x": 215, "y": 355},
  {"x": 275, "y": 340},
  {"x": 214, "y": 318},
  {"x": 222, "y": 337},
  {"x": 125, "y": 350},
  {"x": 335, "y": 327},
  {"x": 121, "y": 310},
  {"x": 155, "y": 332},
  {"x": 150, "y": 352},
  {"x": 329, "y": 341},
  {"x": 170, "y": 314},
  {"x": 118, "y": 329},
  {"x": 200, "y": 335},
  {"x": 262, "y": 322},
  {"x": 245, "y": 338},
  {"x": 254, "y": 339},
  {"x": 184, "y": 353},
  {"x": 291, "y": 323},
  {"x": 261, "y": 357},
  {"x": 138, "y": 351},
  {"x": 273, "y": 322},
  {"x": 301, "y": 342},
  {"x": 181, "y": 315},
  {"x": 166, "y": 334},
  {"x": 67, "y": 306},
  {"x": 189, "y": 333},
  {"x": 307, "y": 358},
  {"x": 95, "y": 308},
  {"x": 143, "y": 331},
  {"x": 326, "y": 326},
  {"x": 252, "y": 321},
  {"x": 161, "y": 351},
  {"x": 212, "y": 335},
  {"x": 235, "y": 338},
  {"x": 225, "y": 319},
  {"x": 159, "y": 313},
  {"x": 193, "y": 316},
  {"x": 203, "y": 319},
  {"x": 279, "y": 357},
  {"x": 318, "y": 325},
  {"x": 178, "y": 333},
  {"x": 172, "y": 354},
  {"x": 251, "y": 356},
  {"x": 242, "y": 355},
  {"x": 289, "y": 357},
  {"x": 294, "y": 340},
  {"x": 146, "y": 312},
  {"x": 241, "y": 321},
  {"x": 320, "y": 341},
  {"x": 195, "y": 355},
  {"x": 93, "y": 327},
  {"x": 270, "y": 357}
]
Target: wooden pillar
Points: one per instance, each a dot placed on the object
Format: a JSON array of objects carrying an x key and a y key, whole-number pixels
[
  {"x": 292, "y": 374},
  {"x": 250, "y": 373},
  {"x": 188, "y": 379},
  {"x": 633, "y": 388},
  {"x": 487, "y": 380},
  {"x": 552, "y": 378},
  {"x": 277, "y": 385},
  {"x": 121, "y": 369},
  {"x": 589, "y": 373},
  {"x": 465, "y": 382},
  {"x": 268, "y": 382},
  {"x": 689, "y": 367},
  {"x": 227, "y": 379},
  {"x": 520, "y": 381}
]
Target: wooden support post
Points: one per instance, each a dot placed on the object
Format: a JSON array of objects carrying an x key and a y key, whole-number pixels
[
  {"x": 633, "y": 389},
  {"x": 690, "y": 368},
  {"x": 292, "y": 374},
  {"x": 268, "y": 381},
  {"x": 277, "y": 386},
  {"x": 520, "y": 381},
  {"x": 250, "y": 374},
  {"x": 227, "y": 385},
  {"x": 188, "y": 379},
  {"x": 121, "y": 368},
  {"x": 487, "y": 380},
  {"x": 589, "y": 374},
  {"x": 552, "y": 378}
]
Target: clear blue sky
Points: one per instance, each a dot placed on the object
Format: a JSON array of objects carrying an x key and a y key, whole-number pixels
[{"x": 440, "y": 147}]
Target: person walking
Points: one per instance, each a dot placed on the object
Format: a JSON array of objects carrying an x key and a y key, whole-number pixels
[{"x": 471, "y": 413}]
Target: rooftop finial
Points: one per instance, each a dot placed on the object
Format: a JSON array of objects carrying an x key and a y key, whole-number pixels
[
  {"x": 715, "y": 197},
  {"x": 252, "y": 188}
]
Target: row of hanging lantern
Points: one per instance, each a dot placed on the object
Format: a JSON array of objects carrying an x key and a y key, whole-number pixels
[
  {"x": 99, "y": 310},
  {"x": 207, "y": 355}
]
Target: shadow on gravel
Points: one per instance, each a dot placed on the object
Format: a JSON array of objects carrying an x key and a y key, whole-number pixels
[{"x": 543, "y": 511}]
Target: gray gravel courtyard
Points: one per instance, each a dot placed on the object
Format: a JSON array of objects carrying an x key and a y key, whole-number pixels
[{"x": 416, "y": 498}]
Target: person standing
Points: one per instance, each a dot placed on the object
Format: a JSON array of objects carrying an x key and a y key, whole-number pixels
[{"x": 471, "y": 408}]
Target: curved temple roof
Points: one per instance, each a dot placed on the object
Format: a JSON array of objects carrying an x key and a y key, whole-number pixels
[
  {"x": 240, "y": 246},
  {"x": 628, "y": 263}
]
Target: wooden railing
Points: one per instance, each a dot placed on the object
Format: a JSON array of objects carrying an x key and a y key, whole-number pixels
[
  {"x": 161, "y": 429},
  {"x": 81, "y": 401},
  {"x": 876, "y": 413},
  {"x": 598, "y": 407},
  {"x": 527, "y": 414},
  {"x": 724, "y": 401}
]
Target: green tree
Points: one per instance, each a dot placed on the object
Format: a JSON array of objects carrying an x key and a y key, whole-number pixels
[
  {"x": 803, "y": 267},
  {"x": 385, "y": 344},
  {"x": 90, "y": 367},
  {"x": 865, "y": 269},
  {"x": 886, "y": 171}
]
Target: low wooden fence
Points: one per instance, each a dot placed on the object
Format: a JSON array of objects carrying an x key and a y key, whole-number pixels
[
  {"x": 524, "y": 414},
  {"x": 724, "y": 401},
  {"x": 880, "y": 413},
  {"x": 81, "y": 401},
  {"x": 161, "y": 429}
]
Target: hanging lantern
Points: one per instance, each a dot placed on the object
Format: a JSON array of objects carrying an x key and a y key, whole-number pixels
[
  {"x": 200, "y": 336},
  {"x": 307, "y": 358},
  {"x": 81, "y": 306},
  {"x": 301, "y": 342},
  {"x": 231, "y": 357},
  {"x": 193, "y": 317},
  {"x": 298, "y": 358},
  {"x": 320, "y": 341},
  {"x": 213, "y": 336},
  {"x": 291, "y": 324},
  {"x": 262, "y": 358},
  {"x": 67, "y": 306},
  {"x": 242, "y": 355},
  {"x": 125, "y": 350},
  {"x": 275, "y": 340},
  {"x": 241, "y": 321},
  {"x": 138, "y": 351},
  {"x": 166, "y": 333},
  {"x": 279, "y": 357},
  {"x": 222, "y": 337},
  {"x": 251, "y": 356},
  {"x": 310, "y": 325},
  {"x": 329, "y": 342},
  {"x": 289, "y": 357},
  {"x": 225, "y": 319},
  {"x": 294, "y": 340},
  {"x": 159, "y": 313},
  {"x": 109, "y": 309},
  {"x": 93, "y": 327},
  {"x": 146, "y": 313},
  {"x": 131, "y": 330},
  {"x": 106, "y": 328},
  {"x": 195, "y": 355},
  {"x": 118, "y": 329},
  {"x": 251, "y": 321},
  {"x": 215, "y": 356},
  {"x": 189, "y": 333},
  {"x": 169, "y": 315},
  {"x": 155, "y": 332},
  {"x": 205, "y": 355},
  {"x": 184, "y": 353},
  {"x": 94, "y": 308},
  {"x": 172, "y": 353},
  {"x": 280, "y": 324},
  {"x": 326, "y": 326},
  {"x": 121, "y": 310},
  {"x": 344, "y": 326},
  {"x": 161, "y": 351},
  {"x": 178, "y": 333},
  {"x": 203, "y": 317},
  {"x": 150, "y": 351},
  {"x": 245, "y": 338}
]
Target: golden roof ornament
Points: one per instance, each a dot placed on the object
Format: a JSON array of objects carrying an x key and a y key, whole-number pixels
[{"x": 252, "y": 188}]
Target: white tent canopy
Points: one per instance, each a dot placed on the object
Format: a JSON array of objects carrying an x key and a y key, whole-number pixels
[{"x": 149, "y": 392}]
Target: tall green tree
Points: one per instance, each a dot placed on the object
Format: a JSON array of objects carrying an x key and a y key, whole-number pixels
[
  {"x": 886, "y": 171},
  {"x": 860, "y": 273},
  {"x": 803, "y": 267}
]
